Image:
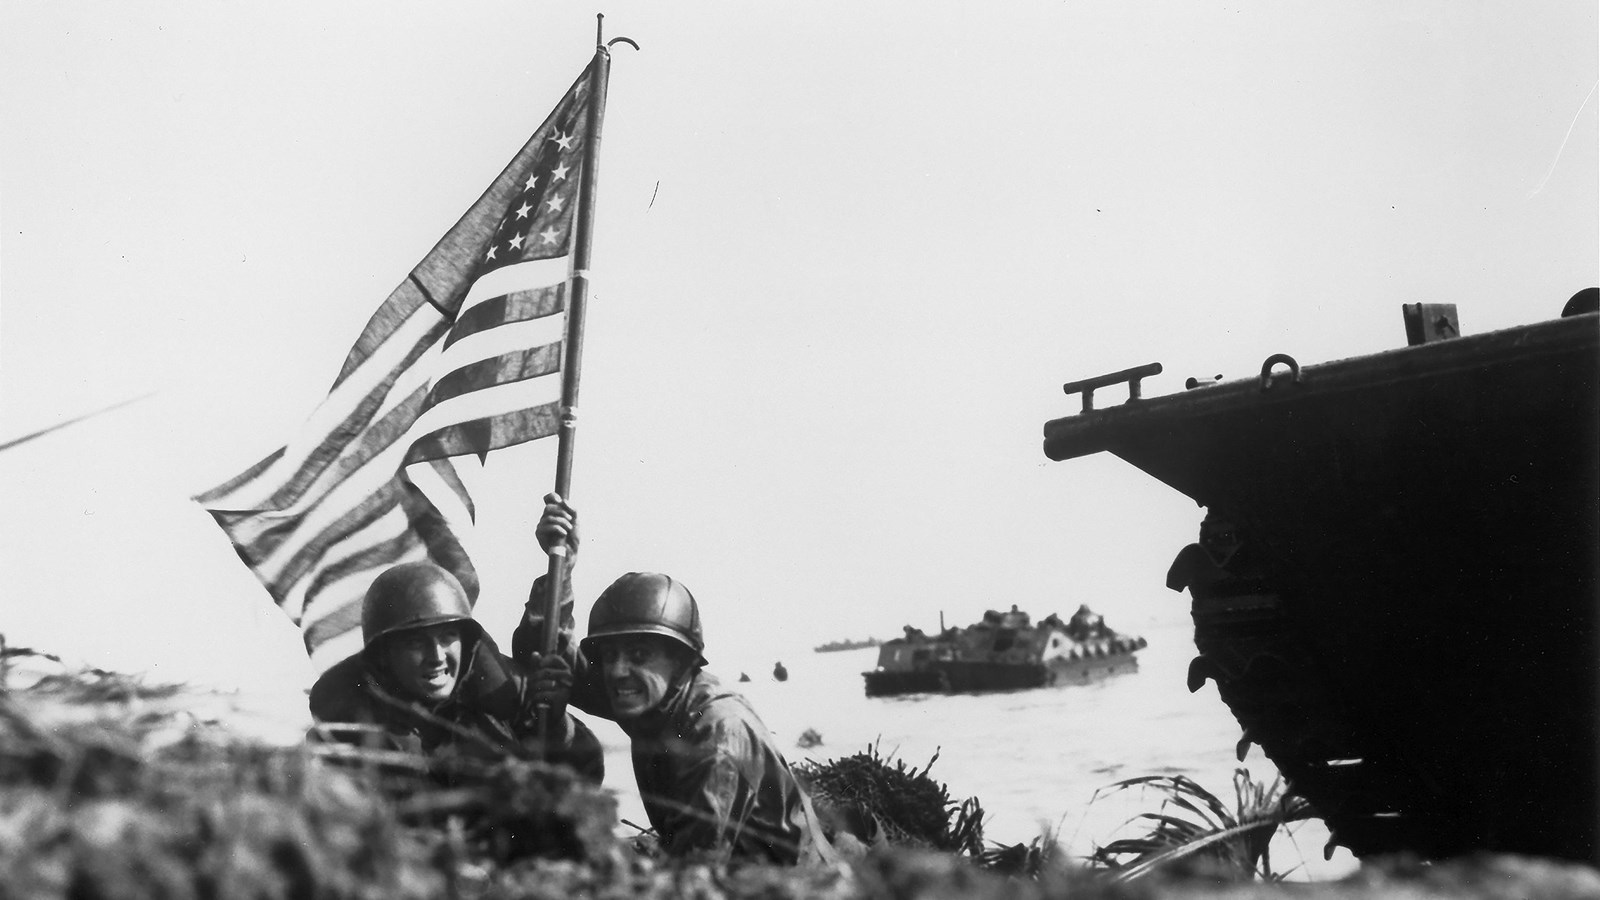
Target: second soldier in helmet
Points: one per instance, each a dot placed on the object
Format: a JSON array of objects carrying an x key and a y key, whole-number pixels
[{"x": 710, "y": 777}]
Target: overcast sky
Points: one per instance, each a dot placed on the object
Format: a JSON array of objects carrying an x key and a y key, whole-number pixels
[{"x": 845, "y": 256}]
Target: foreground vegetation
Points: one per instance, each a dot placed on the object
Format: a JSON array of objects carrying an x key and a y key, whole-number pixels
[{"x": 111, "y": 788}]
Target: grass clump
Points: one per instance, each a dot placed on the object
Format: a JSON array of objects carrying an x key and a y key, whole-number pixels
[
  {"x": 1195, "y": 832},
  {"x": 870, "y": 800},
  {"x": 882, "y": 803}
]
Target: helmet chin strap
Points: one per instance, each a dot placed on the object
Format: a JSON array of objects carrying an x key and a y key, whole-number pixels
[
  {"x": 382, "y": 674},
  {"x": 683, "y": 671}
]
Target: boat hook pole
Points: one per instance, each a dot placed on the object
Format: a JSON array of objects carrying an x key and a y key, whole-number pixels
[{"x": 556, "y": 575}]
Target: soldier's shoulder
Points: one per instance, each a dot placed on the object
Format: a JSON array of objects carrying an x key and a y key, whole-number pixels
[
  {"x": 724, "y": 709},
  {"x": 339, "y": 694}
]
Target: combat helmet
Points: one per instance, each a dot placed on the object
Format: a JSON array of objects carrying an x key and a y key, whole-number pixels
[
  {"x": 647, "y": 603},
  {"x": 413, "y": 595}
]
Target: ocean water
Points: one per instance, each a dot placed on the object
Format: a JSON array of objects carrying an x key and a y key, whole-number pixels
[{"x": 1034, "y": 758}]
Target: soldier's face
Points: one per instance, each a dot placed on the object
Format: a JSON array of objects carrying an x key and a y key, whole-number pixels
[
  {"x": 638, "y": 671},
  {"x": 425, "y": 662}
]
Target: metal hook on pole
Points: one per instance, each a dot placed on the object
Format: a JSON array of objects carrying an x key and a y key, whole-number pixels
[{"x": 600, "y": 42}]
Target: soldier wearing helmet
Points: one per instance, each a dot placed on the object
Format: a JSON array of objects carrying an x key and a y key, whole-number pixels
[
  {"x": 432, "y": 682},
  {"x": 710, "y": 776}
]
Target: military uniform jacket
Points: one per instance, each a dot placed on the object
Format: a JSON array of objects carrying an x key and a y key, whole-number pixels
[
  {"x": 712, "y": 779},
  {"x": 490, "y": 704}
]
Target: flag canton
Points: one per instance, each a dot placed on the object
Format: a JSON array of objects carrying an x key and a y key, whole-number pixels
[{"x": 538, "y": 221}]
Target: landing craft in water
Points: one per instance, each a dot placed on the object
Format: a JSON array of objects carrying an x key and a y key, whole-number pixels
[
  {"x": 1394, "y": 586},
  {"x": 1005, "y": 651}
]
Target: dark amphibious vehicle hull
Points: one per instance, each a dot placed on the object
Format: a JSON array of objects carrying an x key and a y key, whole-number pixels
[
  {"x": 1005, "y": 651},
  {"x": 1394, "y": 588}
]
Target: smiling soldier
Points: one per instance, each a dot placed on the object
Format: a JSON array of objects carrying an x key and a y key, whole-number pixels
[
  {"x": 430, "y": 681},
  {"x": 709, "y": 775}
]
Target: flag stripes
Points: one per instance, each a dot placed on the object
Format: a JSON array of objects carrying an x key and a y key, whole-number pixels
[
  {"x": 285, "y": 570},
  {"x": 449, "y": 481},
  {"x": 463, "y": 357},
  {"x": 506, "y": 368},
  {"x": 401, "y": 307},
  {"x": 522, "y": 306},
  {"x": 245, "y": 477},
  {"x": 489, "y": 432},
  {"x": 268, "y": 530},
  {"x": 337, "y": 422}
]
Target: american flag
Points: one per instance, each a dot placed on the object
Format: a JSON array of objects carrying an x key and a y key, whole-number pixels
[{"x": 463, "y": 357}]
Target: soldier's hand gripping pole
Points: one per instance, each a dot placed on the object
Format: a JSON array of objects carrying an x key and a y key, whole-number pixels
[{"x": 557, "y": 533}]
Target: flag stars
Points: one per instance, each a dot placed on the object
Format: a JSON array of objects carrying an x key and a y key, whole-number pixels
[
  {"x": 555, "y": 203},
  {"x": 559, "y": 173},
  {"x": 548, "y": 236},
  {"x": 531, "y": 183},
  {"x": 516, "y": 241},
  {"x": 563, "y": 140},
  {"x": 522, "y": 213},
  {"x": 490, "y": 255}
]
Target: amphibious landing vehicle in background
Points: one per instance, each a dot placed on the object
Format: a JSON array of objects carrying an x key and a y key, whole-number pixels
[
  {"x": 1005, "y": 651},
  {"x": 1394, "y": 586}
]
